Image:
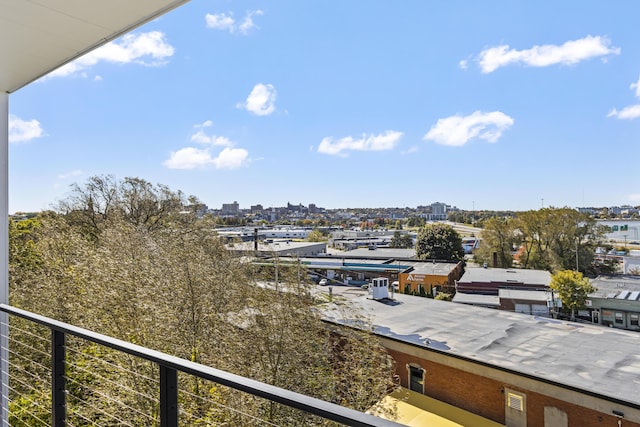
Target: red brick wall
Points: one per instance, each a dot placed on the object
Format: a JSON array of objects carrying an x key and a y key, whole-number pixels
[
  {"x": 507, "y": 304},
  {"x": 485, "y": 397},
  {"x": 578, "y": 415},
  {"x": 473, "y": 393}
]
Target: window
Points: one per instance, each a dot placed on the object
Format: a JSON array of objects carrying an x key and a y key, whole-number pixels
[
  {"x": 416, "y": 379},
  {"x": 619, "y": 318},
  {"x": 634, "y": 320}
]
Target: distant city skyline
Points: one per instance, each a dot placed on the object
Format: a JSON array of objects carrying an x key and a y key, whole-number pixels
[
  {"x": 236, "y": 207},
  {"x": 488, "y": 106}
]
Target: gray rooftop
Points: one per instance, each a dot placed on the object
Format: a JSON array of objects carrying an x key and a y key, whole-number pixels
[
  {"x": 433, "y": 268},
  {"x": 272, "y": 247},
  {"x": 540, "y": 296},
  {"x": 477, "y": 299},
  {"x": 418, "y": 267},
  {"x": 505, "y": 275},
  {"x": 617, "y": 287},
  {"x": 387, "y": 253},
  {"x": 333, "y": 259},
  {"x": 540, "y": 347}
]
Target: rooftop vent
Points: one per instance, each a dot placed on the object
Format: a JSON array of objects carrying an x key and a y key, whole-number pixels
[{"x": 515, "y": 402}]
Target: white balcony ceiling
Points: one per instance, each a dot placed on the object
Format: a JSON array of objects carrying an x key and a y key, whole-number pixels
[{"x": 38, "y": 36}]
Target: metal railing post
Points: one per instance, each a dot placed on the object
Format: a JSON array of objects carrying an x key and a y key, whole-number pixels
[
  {"x": 58, "y": 379},
  {"x": 4, "y": 257},
  {"x": 168, "y": 397}
]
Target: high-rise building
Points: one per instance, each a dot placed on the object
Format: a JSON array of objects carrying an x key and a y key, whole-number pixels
[{"x": 230, "y": 208}]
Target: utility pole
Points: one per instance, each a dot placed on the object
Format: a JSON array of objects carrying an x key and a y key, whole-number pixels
[
  {"x": 277, "y": 261},
  {"x": 473, "y": 212}
]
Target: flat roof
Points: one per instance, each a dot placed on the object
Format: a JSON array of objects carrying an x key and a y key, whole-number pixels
[
  {"x": 477, "y": 299},
  {"x": 505, "y": 275},
  {"x": 273, "y": 247},
  {"x": 524, "y": 295},
  {"x": 388, "y": 253},
  {"x": 332, "y": 259},
  {"x": 615, "y": 287},
  {"x": 534, "y": 346},
  {"x": 364, "y": 264},
  {"x": 328, "y": 262},
  {"x": 433, "y": 268}
]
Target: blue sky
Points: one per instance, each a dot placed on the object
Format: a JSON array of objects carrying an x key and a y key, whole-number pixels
[{"x": 485, "y": 105}]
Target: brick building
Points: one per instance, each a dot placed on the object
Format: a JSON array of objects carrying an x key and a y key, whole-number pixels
[
  {"x": 615, "y": 303},
  {"x": 514, "y": 369},
  {"x": 488, "y": 281},
  {"x": 423, "y": 276}
]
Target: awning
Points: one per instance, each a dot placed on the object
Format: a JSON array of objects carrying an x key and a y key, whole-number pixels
[{"x": 415, "y": 409}]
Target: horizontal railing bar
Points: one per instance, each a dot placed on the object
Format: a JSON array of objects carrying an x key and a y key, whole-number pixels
[{"x": 312, "y": 405}]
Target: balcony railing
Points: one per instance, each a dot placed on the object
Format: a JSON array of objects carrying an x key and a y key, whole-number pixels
[{"x": 168, "y": 368}]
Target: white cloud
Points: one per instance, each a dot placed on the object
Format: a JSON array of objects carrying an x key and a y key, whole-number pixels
[
  {"x": 71, "y": 174},
  {"x": 189, "y": 158},
  {"x": 150, "y": 49},
  {"x": 411, "y": 150},
  {"x": 226, "y": 22},
  {"x": 247, "y": 24},
  {"x": 220, "y": 21},
  {"x": 568, "y": 53},
  {"x": 631, "y": 112},
  {"x": 198, "y": 158},
  {"x": 382, "y": 142},
  {"x": 231, "y": 158},
  {"x": 458, "y": 130},
  {"x": 23, "y": 130},
  {"x": 463, "y": 64},
  {"x": 194, "y": 158},
  {"x": 202, "y": 138},
  {"x": 636, "y": 86},
  {"x": 261, "y": 100}
]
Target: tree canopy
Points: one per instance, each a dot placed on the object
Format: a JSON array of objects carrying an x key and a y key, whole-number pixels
[
  {"x": 102, "y": 198},
  {"x": 546, "y": 239},
  {"x": 572, "y": 288},
  {"x": 401, "y": 240},
  {"x": 316, "y": 236},
  {"x": 439, "y": 242},
  {"x": 498, "y": 237},
  {"x": 125, "y": 260}
]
